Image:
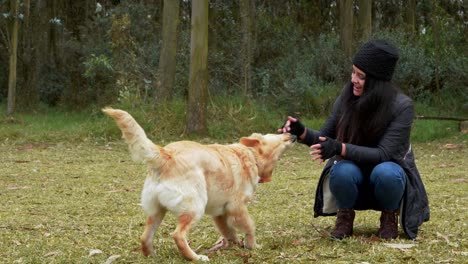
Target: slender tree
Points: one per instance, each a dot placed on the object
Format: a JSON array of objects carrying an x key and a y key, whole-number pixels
[
  {"x": 74, "y": 13},
  {"x": 247, "y": 11},
  {"x": 28, "y": 55},
  {"x": 410, "y": 16},
  {"x": 365, "y": 19},
  {"x": 53, "y": 46},
  {"x": 13, "y": 52},
  {"x": 167, "y": 57},
  {"x": 346, "y": 26},
  {"x": 198, "y": 79},
  {"x": 436, "y": 38}
]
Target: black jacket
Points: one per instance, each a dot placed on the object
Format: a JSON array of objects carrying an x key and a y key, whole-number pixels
[{"x": 394, "y": 146}]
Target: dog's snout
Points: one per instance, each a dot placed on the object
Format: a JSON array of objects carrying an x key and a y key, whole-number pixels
[{"x": 293, "y": 137}]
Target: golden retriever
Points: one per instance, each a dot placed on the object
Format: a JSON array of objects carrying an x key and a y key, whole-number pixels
[{"x": 190, "y": 179}]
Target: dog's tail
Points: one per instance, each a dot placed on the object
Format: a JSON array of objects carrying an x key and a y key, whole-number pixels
[{"x": 141, "y": 148}]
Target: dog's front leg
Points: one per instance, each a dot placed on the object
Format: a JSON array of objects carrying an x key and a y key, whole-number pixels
[
  {"x": 152, "y": 224},
  {"x": 242, "y": 220},
  {"x": 228, "y": 232}
]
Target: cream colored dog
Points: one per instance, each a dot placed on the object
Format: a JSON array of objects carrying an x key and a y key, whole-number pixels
[{"x": 190, "y": 179}]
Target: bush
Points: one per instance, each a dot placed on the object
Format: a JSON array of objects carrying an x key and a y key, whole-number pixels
[
  {"x": 307, "y": 78},
  {"x": 100, "y": 75},
  {"x": 52, "y": 82},
  {"x": 416, "y": 70}
]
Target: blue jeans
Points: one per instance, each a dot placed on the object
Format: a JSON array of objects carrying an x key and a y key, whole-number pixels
[{"x": 386, "y": 183}]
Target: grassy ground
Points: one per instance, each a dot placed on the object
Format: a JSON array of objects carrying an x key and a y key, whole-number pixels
[{"x": 79, "y": 203}]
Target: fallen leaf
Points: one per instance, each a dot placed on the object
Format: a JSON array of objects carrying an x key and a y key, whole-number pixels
[
  {"x": 112, "y": 258},
  {"x": 446, "y": 166},
  {"x": 399, "y": 246},
  {"x": 219, "y": 243},
  {"x": 39, "y": 226},
  {"x": 452, "y": 146},
  {"x": 124, "y": 190},
  {"x": 298, "y": 242},
  {"x": 95, "y": 252},
  {"x": 463, "y": 253},
  {"x": 444, "y": 237},
  {"x": 53, "y": 253}
]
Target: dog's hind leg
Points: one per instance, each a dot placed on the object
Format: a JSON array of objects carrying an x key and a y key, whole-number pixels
[
  {"x": 185, "y": 222},
  {"x": 228, "y": 232},
  {"x": 152, "y": 224}
]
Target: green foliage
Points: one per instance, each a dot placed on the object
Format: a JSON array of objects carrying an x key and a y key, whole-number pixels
[
  {"x": 297, "y": 54},
  {"x": 229, "y": 119},
  {"x": 101, "y": 78},
  {"x": 133, "y": 56},
  {"x": 416, "y": 70},
  {"x": 49, "y": 125},
  {"x": 52, "y": 84},
  {"x": 308, "y": 84},
  {"x": 428, "y": 130},
  {"x": 98, "y": 66}
]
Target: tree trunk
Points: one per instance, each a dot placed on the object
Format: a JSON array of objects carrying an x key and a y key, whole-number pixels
[
  {"x": 14, "y": 28},
  {"x": 53, "y": 34},
  {"x": 247, "y": 11},
  {"x": 198, "y": 79},
  {"x": 435, "y": 35},
  {"x": 167, "y": 57},
  {"x": 74, "y": 22},
  {"x": 28, "y": 53},
  {"x": 365, "y": 19},
  {"x": 346, "y": 26},
  {"x": 410, "y": 17}
]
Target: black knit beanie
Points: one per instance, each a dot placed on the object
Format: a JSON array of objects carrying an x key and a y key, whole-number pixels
[{"x": 377, "y": 58}]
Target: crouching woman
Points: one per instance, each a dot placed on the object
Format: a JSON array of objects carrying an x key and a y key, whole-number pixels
[{"x": 366, "y": 140}]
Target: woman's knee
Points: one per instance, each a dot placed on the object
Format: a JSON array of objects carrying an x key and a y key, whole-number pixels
[
  {"x": 345, "y": 172},
  {"x": 388, "y": 172}
]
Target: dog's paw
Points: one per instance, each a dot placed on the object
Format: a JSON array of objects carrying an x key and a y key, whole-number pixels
[
  {"x": 251, "y": 245},
  {"x": 203, "y": 258},
  {"x": 147, "y": 250}
]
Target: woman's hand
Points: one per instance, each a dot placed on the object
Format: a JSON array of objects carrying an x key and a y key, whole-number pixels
[
  {"x": 326, "y": 149},
  {"x": 294, "y": 126}
]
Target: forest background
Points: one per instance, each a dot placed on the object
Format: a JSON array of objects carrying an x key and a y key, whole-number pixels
[
  {"x": 288, "y": 57},
  {"x": 69, "y": 191}
]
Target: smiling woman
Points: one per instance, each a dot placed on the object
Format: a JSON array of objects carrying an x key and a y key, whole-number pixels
[
  {"x": 366, "y": 140},
  {"x": 358, "y": 78}
]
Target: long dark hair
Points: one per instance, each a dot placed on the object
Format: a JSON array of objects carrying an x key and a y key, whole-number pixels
[{"x": 364, "y": 119}]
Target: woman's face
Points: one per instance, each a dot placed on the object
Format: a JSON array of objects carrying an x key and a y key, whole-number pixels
[{"x": 358, "y": 78}]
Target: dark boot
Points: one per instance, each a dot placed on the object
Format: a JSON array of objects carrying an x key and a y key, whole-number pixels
[
  {"x": 344, "y": 224},
  {"x": 388, "y": 225}
]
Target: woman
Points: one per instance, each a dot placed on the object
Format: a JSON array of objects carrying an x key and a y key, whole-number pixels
[{"x": 366, "y": 140}]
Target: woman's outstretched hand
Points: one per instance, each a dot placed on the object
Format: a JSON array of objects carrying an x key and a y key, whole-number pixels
[{"x": 294, "y": 126}]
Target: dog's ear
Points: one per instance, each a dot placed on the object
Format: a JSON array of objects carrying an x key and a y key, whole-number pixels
[{"x": 249, "y": 142}]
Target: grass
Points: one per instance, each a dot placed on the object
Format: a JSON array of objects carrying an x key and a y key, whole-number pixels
[
  {"x": 63, "y": 201},
  {"x": 70, "y": 194},
  {"x": 227, "y": 120}
]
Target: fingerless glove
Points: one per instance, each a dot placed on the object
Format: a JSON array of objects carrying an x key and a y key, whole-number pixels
[
  {"x": 330, "y": 148},
  {"x": 296, "y": 128}
]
